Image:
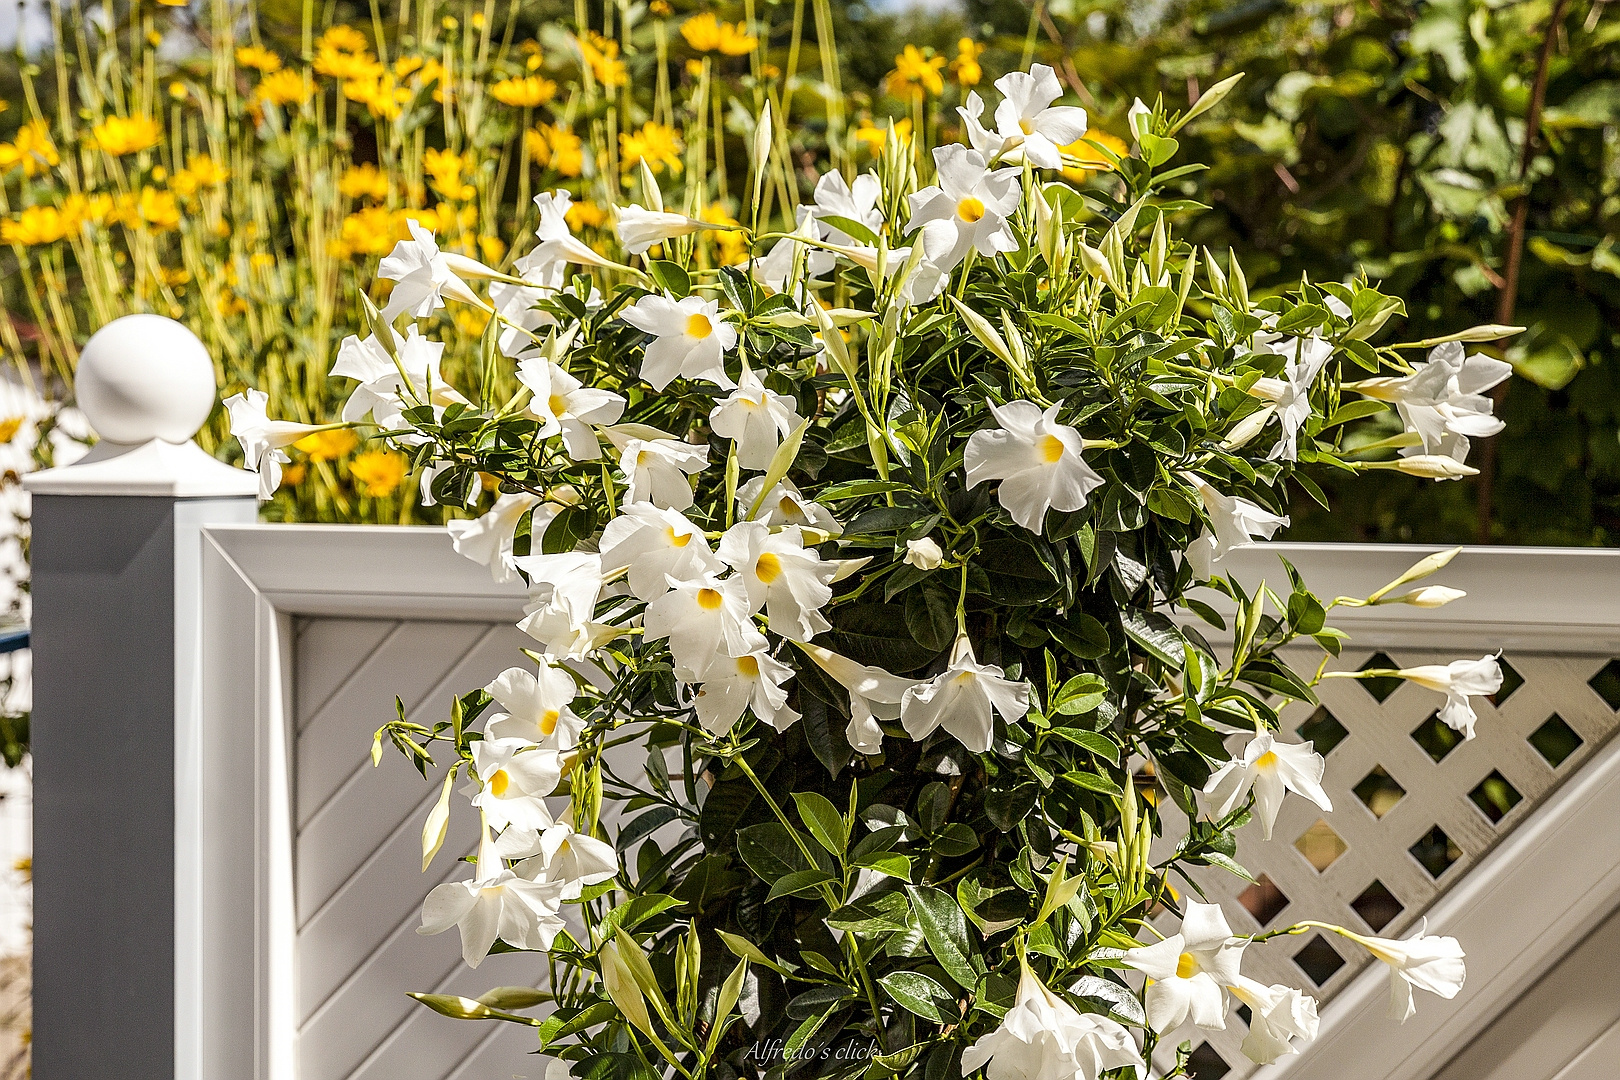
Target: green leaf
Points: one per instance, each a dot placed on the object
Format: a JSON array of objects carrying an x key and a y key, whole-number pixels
[
  {"x": 855, "y": 230},
  {"x": 877, "y": 635},
  {"x": 1156, "y": 634},
  {"x": 1081, "y": 694},
  {"x": 770, "y": 851},
  {"x": 919, "y": 994},
  {"x": 671, "y": 276},
  {"x": 854, "y": 489},
  {"x": 798, "y": 883},
  {"x": 823, "y": 820},
  {"x": 945, "y": 928},
  {"x": 1094, "y": 782},
  {"x": 889, "y": 863},
  {"x": 1101, "y": 745},
  {"x": 747, "y": 950}
]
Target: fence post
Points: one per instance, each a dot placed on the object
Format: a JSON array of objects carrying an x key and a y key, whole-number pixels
[{"x": 115, "y": 550}]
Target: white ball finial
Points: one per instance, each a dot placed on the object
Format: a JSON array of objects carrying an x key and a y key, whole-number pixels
[{"x": 145, "y": 377}]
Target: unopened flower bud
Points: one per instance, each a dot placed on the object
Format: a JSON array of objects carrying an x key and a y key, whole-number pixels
[{"x": 924, "y": 554}]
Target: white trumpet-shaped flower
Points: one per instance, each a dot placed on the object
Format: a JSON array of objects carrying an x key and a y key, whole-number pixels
[
  {"x": 383, "y": 391},
  {"x": 567, "y": 407},
  {"x": 488, "y": 538},
  {"x": 538, "y": 707},
  {"x": 1028, "y": 126},
  {"x": 1043, "y": 1037},
  {"x": 513, "y": 781},
  {"x": 263, "y": 440},
  {"x": 1290, "y": 395},
  {"x": 874, "y": 695},
  {"x": 967, "y": 210},
  {"x": 494, "y": 904},
  {"x": 568, "y": 859},
  {"x": 1459, "y": 681},
  {"x": 1444, "y": 400},
  {"x": 690, "y": 339},
  {"x": 423, "y": 275},
  {"x": 1234, "y": 522},
  {"x": 1429, "y": 963},
  {"x": 705, "y": 620},
  {"x": 924, "y": 553},
  {"x": 756, "y": 419},
  {"x": 640, "y": 228},
  {"x": 960, "y": 699},
  {"x": 1190, "y": 970},
  {"x": 1281, "y": 1019},
  {"x": 655, "y": 471},
  {"x": 790, "y": 582},
  {"x": 562, "y": 610},
  {"x": 1036, "y": 459},
  {"x": 786, "y": 505},
  {"x": 734, "y": 683},
  {"x": 656, "y": 544},
  {"x": 1270, "y": 769}
]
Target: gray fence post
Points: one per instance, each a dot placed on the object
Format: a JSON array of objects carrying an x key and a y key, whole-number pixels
[{"x": 116, "y": 540}]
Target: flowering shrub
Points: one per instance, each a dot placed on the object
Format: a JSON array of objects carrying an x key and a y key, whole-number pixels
[{"x": 898, "y": 548}]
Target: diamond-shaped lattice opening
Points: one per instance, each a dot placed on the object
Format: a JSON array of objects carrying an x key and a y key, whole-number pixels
[
  {"x": 1379, "y": 791},
  {"x": 1319, "y": 960},
  {"x": 1380, "y": 687},
  {"x": 1607, "y": 683},
  {"x": 1206, "y": 1063},
  {"x": 1495, "y": 796},
  {"x": 1511, "y": 681},
  {"x": 1246, "y": 1015},
  {"x": 1435, "y": 851},
  {"x": 1323, "y": 730},
  {"x": 1263, "y": 900},
  {"x": 1555, "y": 740},
  {"x": 1377, "y": 906},
  {"x": 1436, "y": 738},
  {"x": 1320, "y": 845}
]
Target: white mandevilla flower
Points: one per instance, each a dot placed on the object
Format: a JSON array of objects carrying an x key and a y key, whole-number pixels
[
  {"x": 570, "y": 860},
  {"x": 562, "y": 611},
  {"x": 488, "y": 538},
  {"x": 538, "y": 707},
  {"x": 756, "y": 419},
  {"x": 966, "y": 210},
  {"x": 263, "y": 440},
  {"x": 874, "y": 695},
  {"x": 567, "y": 407},
  {"x": 1036, "y": 459},
  {"x": 423, "y": 275},
  {"x": 382, "y": 391},
  {"x": 495, "y": 903},
  {"x": 1459, "y": 681},
  {"x": 1429, "y": 963},
  {"x": 1270, "y": 769},
  {"x": 924, "y": 553},
  {"x": 1290, "y": 395},
  {"x": 656, "y": 544},
  {"x": 786, "y": 505},
  {"x": 734, "y": 683},
  {"x": 960, "y": 700},
  {"x": 790, "y": 582},
  {"x": 1234, "y": 522},
  {"x": 1043, "y": 1037},
  {"x": 1281, "y": 1019},
  {"x": 640, "y": 228},
  {"x": 655, "y": 471},
  {"x": 690, "y": 339},
  {"x": 514, "y": 779},
  {"x": 1190, "y": 970},
  {"x": 1028, "y": 126},
  {"x": 705, "y": 620},
  {"x": 1444, "y": 400}
]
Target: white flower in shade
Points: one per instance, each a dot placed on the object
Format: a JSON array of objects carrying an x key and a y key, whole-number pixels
[
  {"x": 1036, "y": 459},
  {"x": 571, "y": 860},
  {"x": 1290, "y": 395},
  {"x": 640, "y": 228},
  {"x": 433, "y": 472},
  {"x": 690, "y": 339},
  {"x": 561, "y": 613},
  {"x": 705, "y": 619},
  {"x": 1190, "y": 970},
  {"x": 513, "y": 782},
  {"x": 495, "y": 903},
  {"x": 789, "y": 581},
  {"x": 1459, "y": 681},
  {"x": 966, "y": 210},
  {"x": 488, "y": 538},
  {"x": 1028, "y": 126},
  {"x": 1434, "y": 964},
  {"x": 1270, "y": 769},
  {"x": 1281, "y": 1019},
  {"x": 1444, "y": 400},
  {"x": 423, "y": 275},
  {"x": 786, "y": 505},
  {"x": 960, "y": 700},
  {"x": 567, "y": 407},
  {"x": 733, "y": 683},
  {"x": 756, "y": 419},
  {"x": 656, "y": 544},
  {"x": 874, "y": 695},
  {"x": 1233, "y": 523},
  {"x": 924, "y": 554},
  {"x": 263, "y": 440},
  {"x": 655, "y": 471},
  {"x": 1043, "y": 1037},
  {"x": 538, "y": 707},
  {"x": 776, "y": 265},
  {"x": 516, "y": 306},
  {"x": 382, "y": 391}
]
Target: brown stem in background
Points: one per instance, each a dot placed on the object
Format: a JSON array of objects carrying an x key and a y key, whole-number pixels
[
  {"x": 1070, "y": 76},
  {"x": 1508, "y": 297}
]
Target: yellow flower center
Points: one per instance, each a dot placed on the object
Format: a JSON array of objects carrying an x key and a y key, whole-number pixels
[
  {"x": 970, "y": 209},
  {"x": 492, "y": 890},
  {"x": 1050, "y": 448},
  {"x": 1027, "y": 127},
  {"x": 749, "y": 666},
  {"x": 557, "y": 404},
  {"x": 548, "y": 722},
  {"x": 698, "y": 326},
  {"x": 708, "y": 599},
  {"x": 768, "y": 568},
  {"x": 499, "y": 782},
  {"x": 677, "y": 540},
  {"x": 1187, "y": 966},
  {"x": 788, "y": 507},
  {"x": 1267, "y": 760}
]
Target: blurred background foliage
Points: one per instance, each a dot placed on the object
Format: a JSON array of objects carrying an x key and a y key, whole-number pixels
[{"x": 1462, "y": 152}]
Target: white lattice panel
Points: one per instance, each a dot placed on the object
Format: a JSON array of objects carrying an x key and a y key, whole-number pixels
[{"x": 1383, "y": 828}]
